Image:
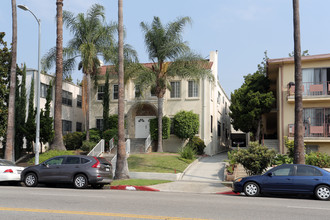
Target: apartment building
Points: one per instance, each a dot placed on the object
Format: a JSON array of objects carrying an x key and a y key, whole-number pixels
[
  {"x": 205, "y": 98},
  {"x": 316, "y": 102}
]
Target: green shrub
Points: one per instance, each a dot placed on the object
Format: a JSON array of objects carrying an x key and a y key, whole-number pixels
[
  {"x": 113, "y": 121},
  {"x": 290, "y": 146},
  {"x": 282, "y": 159},
  {"x": 109, "y": 134},
  {"x": 154, "y": 128},
  {"x": 49, "y": 154},
  {"x": 88, "y": 145},
  {"x": 255, "y": 159},
  {"x": 94, "y": 135},
  {"x": 185, "y": 124},
  {"x": 73, "y": 140},
  {"x": 197, "y": 145},
  {"x": 318, "y": 159},
  {"x": 187, "y": 153}
]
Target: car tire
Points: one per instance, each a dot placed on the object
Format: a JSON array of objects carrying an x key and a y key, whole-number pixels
[
  {"x": 30, "y": 180},
  {"x": 322, "y": 192},
  {"x": 80, "y": 181},
  {"x": 251, "y": 189},
  {"x": 98, "y": 186}
]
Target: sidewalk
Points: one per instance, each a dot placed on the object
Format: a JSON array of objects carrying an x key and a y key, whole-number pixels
[{"x": 204, "y": 176}]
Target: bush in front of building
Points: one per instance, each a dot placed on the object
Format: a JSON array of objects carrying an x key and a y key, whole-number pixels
[
  {"x": 154, "y": 128},
  {"x": 197, "y": 145},
  {"x": 319, "y": 159},
  {"x": 94, "y": 135},
  {"x": 255, "y": 159},
  {"x": 87, "y": 146},
  {"x": 73, "y": 141},
  {"x": 185, "y": 124},
  {"x": 187, "y": 153},
  {"x": 109, "y": 134}
]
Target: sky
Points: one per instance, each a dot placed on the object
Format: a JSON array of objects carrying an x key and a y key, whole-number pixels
[{"x": 240, "y": 30}]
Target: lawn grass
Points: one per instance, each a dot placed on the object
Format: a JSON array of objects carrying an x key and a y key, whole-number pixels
[
  {"x": 157, "y": 163},
  {"x": 137, "y": 182}
]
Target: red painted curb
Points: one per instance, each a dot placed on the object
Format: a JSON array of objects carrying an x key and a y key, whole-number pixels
[
  {"x": 133, "y": 188},
  {"x": 228, "y": 193}
]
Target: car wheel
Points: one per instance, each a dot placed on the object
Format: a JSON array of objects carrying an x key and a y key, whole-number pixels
[
  {"x": 97, "y": 186},
  {"x": 251, "y": 189},
  {"x": 31, "y": 180},
  {"x": 80, "y": 181},
  {"x": 322, "y": 192}
]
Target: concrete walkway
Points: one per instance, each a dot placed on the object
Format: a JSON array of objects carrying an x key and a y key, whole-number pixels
[{"x": 203, "y": 176}]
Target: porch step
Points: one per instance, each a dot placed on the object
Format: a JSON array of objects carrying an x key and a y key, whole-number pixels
[
  {"x": 272, "y": 144},
  {"x": 137, "y": 145}
]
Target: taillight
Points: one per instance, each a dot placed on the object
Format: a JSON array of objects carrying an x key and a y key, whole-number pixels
[
  {"x": 8, "y": 171},
  {"x": 97, "y": 164}
]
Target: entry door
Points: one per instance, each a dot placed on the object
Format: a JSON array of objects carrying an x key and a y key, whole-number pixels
[{"x": 142, "y": 126}]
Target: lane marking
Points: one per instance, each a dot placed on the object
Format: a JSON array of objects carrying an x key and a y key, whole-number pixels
[
  {"x": 301, "y": 207},
  {"x": 95, "y": 213}
]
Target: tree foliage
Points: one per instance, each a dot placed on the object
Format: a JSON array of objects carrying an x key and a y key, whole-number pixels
[
  {"x": 249, "y": 102},
  {"x": 30, "y": 127},
  {"x": 5, "y": 62},
  {"x": 166, "y": 123},
  {"x": 20, "y": 111},
  {"x": 171, "y": 57},
  {"x": 186, "y": 124},
  {"x": 46, "y": 121}
]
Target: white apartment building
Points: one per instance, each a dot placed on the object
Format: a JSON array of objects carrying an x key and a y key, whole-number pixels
[{"x": 205, "y": 98}]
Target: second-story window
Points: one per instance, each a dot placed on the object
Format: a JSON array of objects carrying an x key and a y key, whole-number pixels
[
  {"x": 43, "y": 90},
  {"x": 100, "y": 92},
  {"x": 66, "y": 126},
  {"x": 66, "y": 98},
  {"x": 137, "y": 91},
  {"x": 192, "y": 89},
  {"x": 115, "y": 92},
  {"x": 175, "y": 89},
  {"x": 79, "y": 101},
  {"x": 219, "y": 98}
]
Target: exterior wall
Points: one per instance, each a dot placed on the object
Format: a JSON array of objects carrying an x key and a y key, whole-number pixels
[
  {"x": 284, "y": 74},
  {"x": 204, "y": 105},
  {"x": 70, "y": 113}
]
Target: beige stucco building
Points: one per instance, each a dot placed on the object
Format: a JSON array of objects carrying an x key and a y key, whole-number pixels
[
  {"x": 316, "y": 102},
  {"x": 205, "y": 98}
]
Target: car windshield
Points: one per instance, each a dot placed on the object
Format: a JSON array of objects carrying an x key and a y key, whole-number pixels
[
  {"x": 103, "y": 161},
  {"x": 6, "y": 163}
]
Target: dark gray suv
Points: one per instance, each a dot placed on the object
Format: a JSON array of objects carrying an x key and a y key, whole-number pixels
[{"x": 79, "y": 170}]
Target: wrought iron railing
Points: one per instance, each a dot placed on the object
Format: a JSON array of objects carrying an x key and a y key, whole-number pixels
[
  {"x": 312, "y": 130},
  {"x": 311, "y": 89}
]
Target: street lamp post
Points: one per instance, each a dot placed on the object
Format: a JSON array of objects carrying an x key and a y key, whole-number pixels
[{"x": 23, "y": 7}]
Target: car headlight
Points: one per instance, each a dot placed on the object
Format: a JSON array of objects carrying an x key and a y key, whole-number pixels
[{"x": 238, "y": 180}]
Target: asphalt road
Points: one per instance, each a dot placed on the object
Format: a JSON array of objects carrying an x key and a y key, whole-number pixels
[{"x": 68, "y": 203}]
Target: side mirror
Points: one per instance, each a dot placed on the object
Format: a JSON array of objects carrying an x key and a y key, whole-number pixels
[
  {"x": 270, "y": 174},
  {"x": 45, "y": 165}
]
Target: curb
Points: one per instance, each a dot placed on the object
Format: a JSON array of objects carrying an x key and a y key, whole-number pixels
[
  {"x": 228, "y": 193},
  {"x": 190, "y": 165},
  {"x": 133, "y": 188}
]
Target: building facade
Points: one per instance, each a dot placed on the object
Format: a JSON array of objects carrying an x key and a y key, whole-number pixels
[
  {"x": 205, "y": 98},
  {"x": 316, "y": 102}
]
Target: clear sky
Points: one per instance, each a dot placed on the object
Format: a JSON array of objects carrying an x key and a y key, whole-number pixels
[{"x": 241, "y": 30}]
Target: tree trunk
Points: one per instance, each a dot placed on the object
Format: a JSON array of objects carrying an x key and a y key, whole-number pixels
[
  {"x": 299, "y": 151},
  {"x": 10, "y": 140},
  {"x": 121, "y": 165},
  {"x": 88, "y": 77},
  {"x": 257, "y": 136},
  {"x": 160, "y": 124},
  {"x": 58, "y": 138}
]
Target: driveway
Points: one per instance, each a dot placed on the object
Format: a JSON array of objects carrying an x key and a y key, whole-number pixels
[{"x": 203, "y": 176}]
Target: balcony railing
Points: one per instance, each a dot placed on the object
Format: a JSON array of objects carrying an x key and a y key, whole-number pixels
[
  {"x": 312, "y": 89},
  {"x": 312, "y": 130}
]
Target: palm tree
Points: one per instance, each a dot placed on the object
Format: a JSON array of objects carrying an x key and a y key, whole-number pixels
[
  {"x": 299, "y": 151},
  {"x": 121, "y": 164},
  {"x": 90, "y": 36},
  {"x": 58, "y": 138},
  {"x": 10, "y": 140},
  {"x": 171, "y": 57}
]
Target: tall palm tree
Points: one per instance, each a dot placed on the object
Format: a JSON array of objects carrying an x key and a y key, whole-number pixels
[
  {"x": 58, "y": 138},
  {"x": 90, "y": 36},
  {"x": 299, "y": 151},
  {"x": 10, "y": 140},
  {"x": 121, "y": 164},
  {"x": 171, "y": 57}
]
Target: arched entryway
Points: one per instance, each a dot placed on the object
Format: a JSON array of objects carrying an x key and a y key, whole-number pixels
[{"x": 138, "y": 118}]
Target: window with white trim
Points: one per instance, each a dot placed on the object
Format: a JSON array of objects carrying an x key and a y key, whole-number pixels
[
  {"x": 100, "y": 92},
  {"x": 192, "y": 89},
  {"x": 176, "y": 89}
]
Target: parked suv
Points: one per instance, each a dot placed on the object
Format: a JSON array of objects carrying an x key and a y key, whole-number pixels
[{"x": 79, "y": 170}]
